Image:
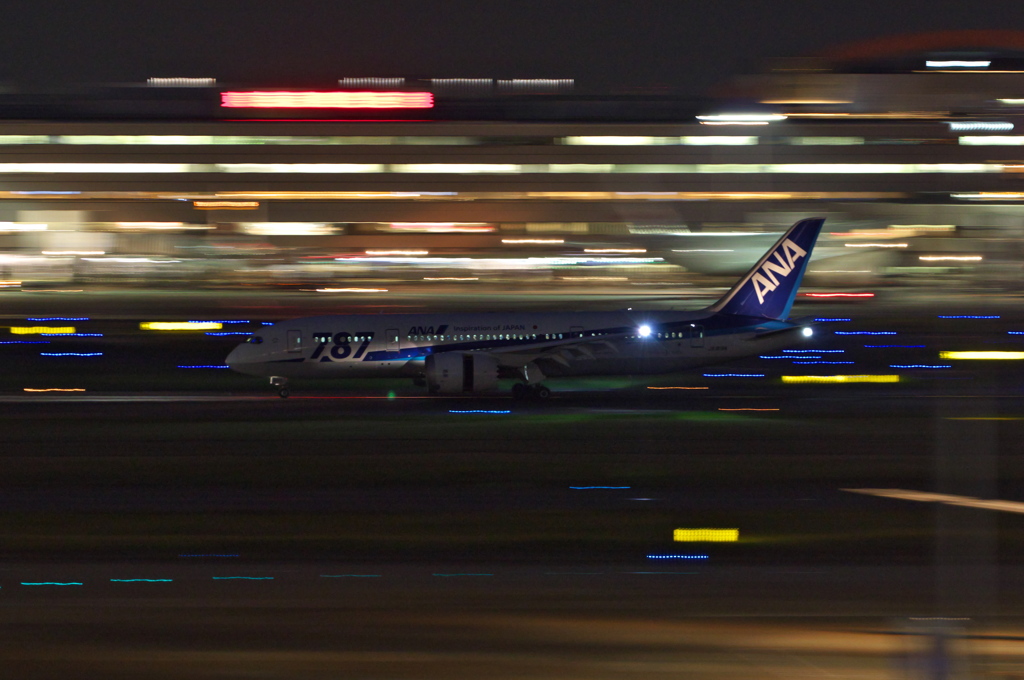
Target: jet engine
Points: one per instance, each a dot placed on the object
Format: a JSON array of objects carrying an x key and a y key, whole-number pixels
[{"x": 461, "y": 373}]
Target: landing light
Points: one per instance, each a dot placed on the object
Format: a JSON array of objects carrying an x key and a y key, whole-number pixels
[
  {"x": 807, "y": 332},
  {"x": 644, "y": 331}
]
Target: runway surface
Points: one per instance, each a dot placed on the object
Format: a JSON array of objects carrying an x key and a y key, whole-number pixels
[{"x": 204, "y": 527}]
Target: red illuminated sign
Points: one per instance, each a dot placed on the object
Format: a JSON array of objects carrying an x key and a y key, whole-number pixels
[{"x": 327, "y": 100}]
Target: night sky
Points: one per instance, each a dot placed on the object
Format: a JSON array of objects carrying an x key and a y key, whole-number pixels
[{"x": 606, "y": 45}]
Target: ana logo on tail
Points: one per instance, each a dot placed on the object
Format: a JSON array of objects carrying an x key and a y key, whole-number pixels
[{"x": 764, "y": 279}]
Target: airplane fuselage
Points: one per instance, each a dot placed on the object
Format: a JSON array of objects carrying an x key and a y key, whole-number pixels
[{"x": 609, "y": 343}]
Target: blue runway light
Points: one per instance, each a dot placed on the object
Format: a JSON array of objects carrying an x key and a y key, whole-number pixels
[
  {"x": 677, "y": 557},
  {"x": 814, "y": 351},
  {"x": 806, "y": 363},
  {"x": 72, "y": 335},
  {"x": 895, "y": 346},
  {"x": 205, "y": 366},
  {"x": 598, "y": 487},
  {"x": 222, "y": 321},
  {"x": 141, "y": 580},
  {"x": 920, "y": 366},
  {"x": 25, "y": 342},
  {"x": 865, "y": 332},
  {"x": 229, "y": 333},
  {"x": 791, "y": 356},
  {"x": 969, "y": 316},
  {"x": 58, "y": 318},
  {"x": 51, "y": 583},
  {"x": 243, "y": 578},
  {"x": 734, "y": 375},
  {"x": 828, "y": 320},
  {"x": 1015, "y": 332},
  {"x": 479, "y": 411},
  {"x": 266, "y": 323},
  {"x": 71, "y": 354}
]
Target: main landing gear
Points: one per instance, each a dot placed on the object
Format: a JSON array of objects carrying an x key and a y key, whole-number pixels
[
  {"x": 521, "y": 391},
  {"x": 281, "y": 384}
]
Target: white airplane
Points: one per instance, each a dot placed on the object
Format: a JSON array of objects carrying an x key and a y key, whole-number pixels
[{"x": 451, "y": 353}]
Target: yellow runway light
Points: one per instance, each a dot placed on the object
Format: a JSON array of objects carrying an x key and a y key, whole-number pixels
[
  {"x": 984, "y": 354},
  {"x": 677, "y": 388},
  {"x": 181, "y": 326},
  {"x": 840, "y": 378},
  {"x": 36, "y": 330},
  {"x": 54, "y": 389},
  {"x": 706, "y": 535}
]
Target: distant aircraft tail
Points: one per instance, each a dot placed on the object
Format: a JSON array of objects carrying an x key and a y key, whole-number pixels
[{"x": 769, "y": 288}]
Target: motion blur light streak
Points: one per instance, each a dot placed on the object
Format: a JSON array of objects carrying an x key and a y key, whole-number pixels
[
  {"x": 327, "y": 100},
  {"x": 242, "y": 578},
  {"x": 546, "y": 241},
  {"x": 350, "y": 576},
  {"x": 480, "y": 411},
  {"x": 813, "y": 351},
  {"x": 71, "y": 354},
  {"x": 706, "y": 535},
  {"x": 677, "y": 557},
  {"x": 950, "y": 258},
  {"x": 947, "y": 499},
  {"x": 920, "y": 366},
  {"x": 53, "y": 389},
  {"x": 822, "y": 362},
  {"x": 982, "y": 355},
  {"x": 828, "y": 319},
  {"x": 865, "y": 332},
  {"x": 141, "y": 580},
  {"x": 840, "y": 378},
  {"x": 51, "y": 583},
  {"x": 25, "y": 342},
  {"x": 969, "y": 316},
  {"x": 39, "y": 330},
  {"x": 180, "y": 326},
  {"x": 351, "y": 290},
  {"x": 203, "y": 366},
  {"x": 734, "y": 375},
  {"x": 677, "y": 388},
  {"x": 58, "y": 318},
  {"x": 839, "y": 295}
]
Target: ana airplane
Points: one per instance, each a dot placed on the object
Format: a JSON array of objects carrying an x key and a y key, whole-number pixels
[{"x": 469, "y": 353}]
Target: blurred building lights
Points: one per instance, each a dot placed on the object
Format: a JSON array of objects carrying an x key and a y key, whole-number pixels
[
  {"x": 180, "y": 326},
  {"x": 958, "y": 64},
  {"x": 813, "y": 379},
  {"x": 327, "y": 100},
  {"x": 971, "y": 126}
]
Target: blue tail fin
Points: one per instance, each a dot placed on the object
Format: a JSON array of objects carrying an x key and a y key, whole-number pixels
[{"x": 769, "y": 288}]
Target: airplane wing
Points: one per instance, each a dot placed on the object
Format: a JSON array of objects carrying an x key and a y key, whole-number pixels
[{"x": 560, "y": 351}]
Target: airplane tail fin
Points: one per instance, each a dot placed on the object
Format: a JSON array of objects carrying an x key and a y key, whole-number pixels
[{"x": 769, "y": 288}]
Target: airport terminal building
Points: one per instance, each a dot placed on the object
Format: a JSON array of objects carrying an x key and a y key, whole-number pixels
[{"x": 891, "y": 142}]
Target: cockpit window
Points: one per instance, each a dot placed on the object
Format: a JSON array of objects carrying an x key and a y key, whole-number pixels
[{"x": 255, "y": 340}]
